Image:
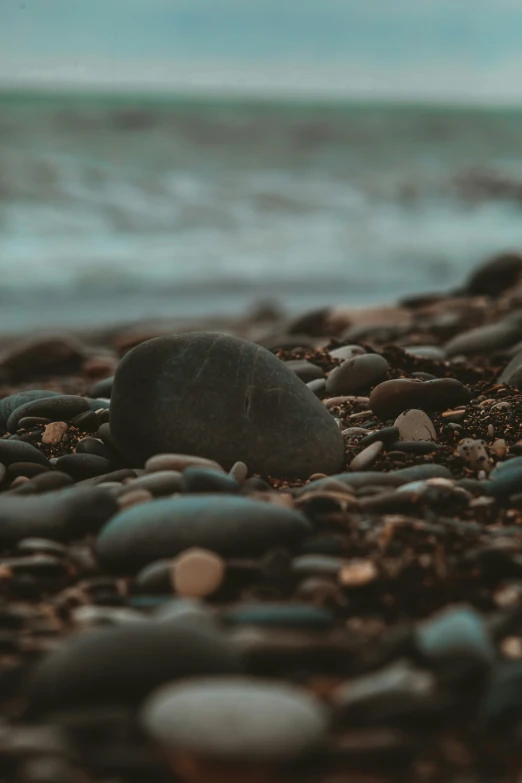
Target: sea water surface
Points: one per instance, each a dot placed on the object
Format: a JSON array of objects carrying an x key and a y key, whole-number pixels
[{"x": 114, "y": 208}]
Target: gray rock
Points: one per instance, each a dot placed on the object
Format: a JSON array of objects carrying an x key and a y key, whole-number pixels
[
  {"x": 512, "y": 373},
  {"x": 272, "y": 721},
  {"x": 487, "y": 339},
  {"x": 367, "y": 456},
  {"x": 223, "y": 398},
  {"x": 347, "y": 352},
  {"x": 64, "y": 407},
  {"x": 434, "y": 352},
  {"x": 304, "y": 370},
  {"x": 415, "y": 425},
  {"x": 13, "y": 401},
  {"x": 357, "y": 374},
  {"x": 231, "y": 526}
]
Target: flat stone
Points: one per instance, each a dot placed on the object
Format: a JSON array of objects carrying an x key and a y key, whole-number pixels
[
  {"x": 18, "y": 451},
  {"x": 357, "y": 374},
  {"x": 60, "y": 515},
  {"x": 179, "y": 463},
  {"x": 159, "y": 483},
  {"x": 205, "y": 480},
  {"x": 487, "y": 339},
  {"x": 223, "y": 398},
  {"x": 272, "y": 721},
  {"x": 124, "y": 664},
  {"x": 54, "y": 432},
  {"x": 197, "y": 573},
  {"x": 282, "y": 615},
  {"x": 367, "y": 456},
  {"x": 61, "y": 408},
  {"x": 347, "y": 352},
  {"x": 391, "y": 398},
  {"x": 225, "y": 524},
  {"x": 415, "y": 425},
  {"x": 304, "y": 370},
  {"x": 13, "y": 401},
  {"x": 83, "y": 466},
  {"x": 434, "y": 352}
]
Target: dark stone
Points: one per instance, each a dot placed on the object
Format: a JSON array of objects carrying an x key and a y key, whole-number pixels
[
  {"x": 61, "y": 408},
  {"x": 304, "y": 370},
  {"x": 495, "y": 275},
  {"x": 13, "y": 401},
  {"x": 83, "y": 466},
  {"x": 86, "y": 422},
  {"x": 154, "y": 578},
  {"x": 387, "y": 435},
  {"x": 223, "y": 398},
  {"x": 31, "y": 422},
  {"x": 18, "y": 451},
  {"x": 41, "y": 546},
  {"x": 416, "y": 446},
  {"x": 206, "y": 480},
  {"x": 44, "y": 356},
  {"x": 501, "y": 708},
  {"x": 102, "y": 388},
  {"x": 60, "y": 516},
  {"x": 91, "y": 446},
  {"x": 512, "y": 374},
  {"x": 391, "y": 398},
  {"x": 318, "y": 386},
  {"x": 123, "y": 664},
  {"x": 310, "y": 618},
  {"x": 369, "y": 478},
  {"x": 487, "y": 339},
  {"x": 48, "y": 482},
  {"x": 357, "y": 375},
  {"x": 29, "y": 469},
  {"x": 161, "y": 482},
  {"x": 230, "y": 526},
  {"x": 272, "y": 722}
]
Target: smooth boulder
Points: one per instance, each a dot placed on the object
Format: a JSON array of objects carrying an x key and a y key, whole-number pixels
[
  {"x": 223, "y": 398},
  {"x": 229, "y": 525}
]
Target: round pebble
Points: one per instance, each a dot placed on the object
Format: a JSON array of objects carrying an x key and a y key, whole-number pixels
[
  {"x": 415, "y": 425},
  {"x": 197, "y": 573},
  {"x": 357, "y": 374}
]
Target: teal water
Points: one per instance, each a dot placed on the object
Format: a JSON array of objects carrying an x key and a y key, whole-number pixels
[{"x": 118, "y": 207}]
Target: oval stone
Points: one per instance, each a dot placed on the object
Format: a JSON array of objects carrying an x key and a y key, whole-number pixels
[
  {"x": 415, "y": 425},
  {"x": 61, "y": 408},
  {"x": 357, "y": 374},
  {"x": 391, "y": 398},
  {"x": 223, "y": 398},
  {"x": 238, "y": 719},
  {"x": 231, "y": 526},
  {"x": 14, "y": 401},
  {"x": 123, "y": 664}
]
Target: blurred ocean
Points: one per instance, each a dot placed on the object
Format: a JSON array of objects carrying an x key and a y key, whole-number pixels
[{"x": 116, "y": 208}]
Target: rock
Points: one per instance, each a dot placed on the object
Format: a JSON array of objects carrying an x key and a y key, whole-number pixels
[
  {"x": 475, "y": 454},
  {"x": 506, "y": 479},
  {"x": 124, "y": 664},
  {"x": 310, "y": 618},
  {"x": 134, "y": 498},
  {"x": 102, "y": 388},
  {"x": 391, "y": 398},
  {"x": 186, "y": 611},
  {"x": 167, "y": 393},
  {"x": 54, "y": 432},
  {"x": 29, "y": 469},
  {"x": 501, "y": 709},
  {"x": 13, "y": 401},
  {"x": 347, "y": 352},
  {"x": 387, "y": 435},
  {"x": 32, "y": 422},
  {"x": 487, "y": 339},
  {"x": 44, "y": 356},
  {"x": 91, "y": 446},
  {"x": 162, "y": 482},
  {"x": 367, "y": 456},
  {"x": 416, "y": 446},
  {"x": 18, "y": 451},
  {"x": 179, "y": 463},
  {"x": 83, "y": 466},
  {"x": 89, "y": 421},
  {"x": 61, "y": 515},
  {"x": 357, "y": 374},
  {"x": 415, "y": 425},
  {"x": 63, "y": 407},
  {"x": 304, "y": 370},
  {"x": 230, "y": 526},
  {"x": 197, "y": 573},
  {"x": 495, "y": 276},
  {"x": 318, "y": 386},
  {"x": 272, "y": 721},
  {"x": 455, "y": 643},
  {"x": 204, "y": 480},
  {"x": 433, "y": 352},
  {"x": 512, "y": 374},
  {"x": 239, "y": 471}
]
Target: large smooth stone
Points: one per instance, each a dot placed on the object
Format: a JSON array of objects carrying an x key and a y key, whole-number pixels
[
  {"x": 12, "y": 451},
  {"x": 223, "y": 398},
  {"x": 391, "y": 398},
  {"x": 64, "y": 407},
  {"x": 487, "y": 339},
  {"x": 357, "y": 375},
  {"x": 239, "y": 719},
  {"x": 122, "y": 665},
  {"x": 231, "y": 526}
]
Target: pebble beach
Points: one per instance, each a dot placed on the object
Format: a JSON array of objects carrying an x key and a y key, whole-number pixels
[{"x": 267, "y": 548}]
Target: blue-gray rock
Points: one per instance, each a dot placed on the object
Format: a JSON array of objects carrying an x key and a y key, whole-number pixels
[
  {"x": 14, "y": 401},
  {"x": 63, "y": 407},
  {"x": 216, "y": 396},
  {"x": 357, "y": 375},
  {"x": 311, "y": 618},
  {"x": 231, "y": 526},
  {"x": 18, "y": 451}
]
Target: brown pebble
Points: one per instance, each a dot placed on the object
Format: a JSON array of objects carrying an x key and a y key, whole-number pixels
[
  {"x": 179, "y": 462},
  {"x": 391, "y": 398},
  {"x": 197, "y": 573},
  {"x": 134, "y": 498},
  {"x": 54, "y": 432},
  {"x": 499, "y": 448},
  {"x": 357, "y": 573}
]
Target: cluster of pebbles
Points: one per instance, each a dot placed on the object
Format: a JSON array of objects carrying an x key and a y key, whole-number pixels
[{"x": 291, "y": 557}]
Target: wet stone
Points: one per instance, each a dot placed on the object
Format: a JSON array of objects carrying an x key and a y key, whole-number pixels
[
  {"x": 124, "y": 664},
  {"x": 357, "y": 374},
  {"x": 273, "y": 721},
  {"x": 230, "y": 526},
  {"x": 391, "y": 398},
  {"x": 61, "y": 408},
  {"x": 166, "y": 392},
  {"x": 415, "y": 425}
]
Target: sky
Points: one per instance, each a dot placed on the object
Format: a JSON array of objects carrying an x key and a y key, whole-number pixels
[{"x": 427, "y": 49}]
